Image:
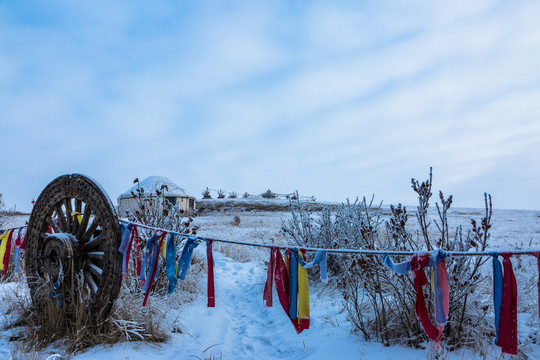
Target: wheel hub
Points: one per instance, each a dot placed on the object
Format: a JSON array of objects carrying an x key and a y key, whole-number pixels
[{"x": 58, "y": 249}]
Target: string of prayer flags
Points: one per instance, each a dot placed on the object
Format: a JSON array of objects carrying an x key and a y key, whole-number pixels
[
  {"x": 210, "y": 289},
  {"x": 417, "y": 264}
]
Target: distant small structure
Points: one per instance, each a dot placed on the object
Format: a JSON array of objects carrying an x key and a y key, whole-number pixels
[{"x": 171, "y": 192}]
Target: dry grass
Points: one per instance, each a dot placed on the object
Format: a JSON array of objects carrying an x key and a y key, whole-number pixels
[{"x": 33, "y": 331}]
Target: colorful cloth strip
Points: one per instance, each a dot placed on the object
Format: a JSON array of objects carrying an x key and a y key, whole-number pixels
[
  {"x": 537, "y": 255},
  {"x": 170, "y": 263},
  {"x": 5, "y": 250},
  {"x": 507, "y": 332},
  {"x": 153, "y": 260},
  {"x": 210, "y": 258},
  {"x": 497, "y": 292},
  {"x": 291, "y": 286},
  {"x": 185, "y": 258},
  {"x": 125, "y": 245},
  {"x": 416, "y": 265}
]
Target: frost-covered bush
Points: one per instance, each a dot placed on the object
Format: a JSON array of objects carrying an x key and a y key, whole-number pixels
[{"x": 380, "y": 304}]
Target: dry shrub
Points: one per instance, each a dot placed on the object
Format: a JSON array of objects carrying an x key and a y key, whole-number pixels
[
  {"x": 74, "y": 329},
  {"x": 380, "y": 304},
  {"x": 236, "y": 221}
]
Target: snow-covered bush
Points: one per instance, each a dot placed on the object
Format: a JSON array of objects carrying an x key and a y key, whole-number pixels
[{"x": 380, "y": 304}]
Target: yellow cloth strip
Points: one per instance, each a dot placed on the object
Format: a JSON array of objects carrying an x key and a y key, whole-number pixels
[
  {"x": 4, "y": 239},
  {"x": 287, "y": 263},
  {"x": 78, "y": 215},
  {"x": 164, "y": 247},
  {"x": 303, "y": 291}
]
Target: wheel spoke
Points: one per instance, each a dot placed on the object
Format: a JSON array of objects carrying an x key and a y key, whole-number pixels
[
  {"x": 90, "y": 231},
  {"x": 84, "y": 222},
  {"x": 53, "y": 225},
  {"x": 94, "y": 241},
  {"x": 69, "y": 218},
  {"x": 98, "y": 255},
  {"x": 61, "y": 217},
  {"x": 91, "y": 282},
  {"x": 94, "y": 269},
  {"x": 78, "y": 209}
]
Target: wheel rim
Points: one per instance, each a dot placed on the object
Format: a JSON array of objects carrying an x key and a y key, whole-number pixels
[{"x": 74, "y": 232}]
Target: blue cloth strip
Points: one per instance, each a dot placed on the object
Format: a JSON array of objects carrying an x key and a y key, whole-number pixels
[
  {"x": 152, "y": 259},
  {"x": 185, "y": 257},
  {"x": 401, "y": 268},
  {"x": 293, "y": 284},
  {"x": 147, "y": 250},
  {"x": 170, "y": 261},
  {"x": 497, "y": 291},
  {"x": 126, "y": 236},
  {"x": 320, "y": 258},
  {"x": 17, "y": 259}
]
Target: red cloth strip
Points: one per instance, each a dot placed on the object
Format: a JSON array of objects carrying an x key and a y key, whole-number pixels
[
  {"x": 210, "y": 258},
  {"x": 21, "y": 244},
  {"x": 282, "y": 281},
  {"x": 267, "y": 294},
  {"x": 418, "y": 262},
  {"x": 537, "y": 255},
  {"x": 154, "y": 268},
  {"x": 135, "y": 233},
  {"x": 128, "y": 253},
  {"x": 507, "y": 339}
]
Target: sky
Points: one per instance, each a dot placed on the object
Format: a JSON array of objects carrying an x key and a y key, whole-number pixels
[{"x": 334, "y": 99}]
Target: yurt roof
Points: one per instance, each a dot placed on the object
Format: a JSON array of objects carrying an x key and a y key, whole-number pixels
[{"x": 153, "y": 183}]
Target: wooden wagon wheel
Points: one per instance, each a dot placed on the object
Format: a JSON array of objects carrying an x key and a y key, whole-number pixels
[{"x": 78, "y": 264}]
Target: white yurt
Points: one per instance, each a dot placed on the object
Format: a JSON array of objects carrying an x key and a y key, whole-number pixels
[{"x": 173, "y": 193}]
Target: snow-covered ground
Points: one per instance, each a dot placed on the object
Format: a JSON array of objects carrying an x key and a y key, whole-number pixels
[{"x": 239, "y": 327}]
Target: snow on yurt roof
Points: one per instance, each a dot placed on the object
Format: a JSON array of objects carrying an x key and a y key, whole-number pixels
[{"x": 153, "y": 183}]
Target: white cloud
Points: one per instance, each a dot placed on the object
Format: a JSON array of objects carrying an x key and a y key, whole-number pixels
[{"x": 337, "y": 100}]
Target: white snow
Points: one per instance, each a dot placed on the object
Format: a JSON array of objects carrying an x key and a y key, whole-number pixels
[{"x": 239, "y": 327}]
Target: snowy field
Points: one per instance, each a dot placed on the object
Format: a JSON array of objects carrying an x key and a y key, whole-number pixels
[{"x": 239, "y": 327}]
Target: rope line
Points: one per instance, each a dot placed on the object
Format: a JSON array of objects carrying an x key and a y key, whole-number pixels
[
  {"x": 14, "y": 228},
  {"x": 340, "y": 251}
]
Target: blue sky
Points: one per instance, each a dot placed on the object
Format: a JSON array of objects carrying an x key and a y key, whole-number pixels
[{"x": 334, "y": 99}]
